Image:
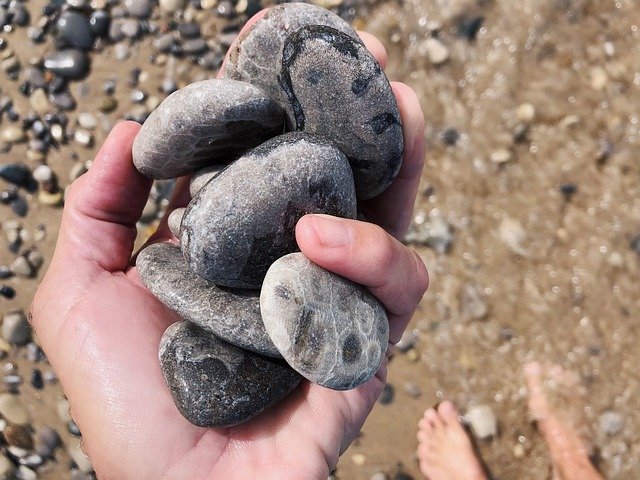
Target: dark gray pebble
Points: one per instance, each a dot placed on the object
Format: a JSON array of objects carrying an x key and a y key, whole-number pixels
[
  {"x": 207, "y": 122},
  {"x": 73, "y": 64},
  {"x": 244, "y": 219},
  {"x": 201, "y": 177},
  {"x": 215, "y": 384},
  {"x": 99, "y": 23},
  {"x": 336, "y": 89},
  {"x": 256, "y": 56},
  {"x": 18, "y": 174},
  {"x": 331, "y": 330},
  {"x": 232, "y": 315},
  {"x": 75, "y": 30}
]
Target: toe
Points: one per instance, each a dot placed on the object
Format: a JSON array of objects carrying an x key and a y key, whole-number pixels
[
  {"x": 449, "y": 413},
  {"x": 434, "y": 419}
]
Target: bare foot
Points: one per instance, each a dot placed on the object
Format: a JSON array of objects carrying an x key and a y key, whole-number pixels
[
  {"x": 444, "y": 449},
  {"x": 569, "y": 453}
]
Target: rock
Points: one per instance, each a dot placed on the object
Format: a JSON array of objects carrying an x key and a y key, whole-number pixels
[
  {"x": 610, "y": 422},
  {"x": 107, "y": 104},
  {"x": 379, "y": 476},
  {"x": 51, "y": 199},
  {"x": 568, "y": 190},
  {"x": 482, "y": 421},
  {"x": 215, "y": 384},
  {"x": 139, "y": 8},
  {"x": 412, "y": 389},
  {"x": 526, "y": 113},
  {"x": 358, "y": 459},
  {"x": 512, "y": 235},
  {"x": 13, "y": 410},
  {"x": 473, "y": 305},
  {"x": 72, "y": 64},
  {"x": 81, "y": 460},
  {"x": 435, "y": 233},
  {"x": 49, "y": 440},
  {"x": 63, "y": 100},
  {"x": 75, "y": 30},
  {"x": 331, "y": 330},
  {"x": 330, "y": 85},
  {"x": 18, "y": 436},
  {"x": 256, "y": 56},
  {"x": 21, "y": 267},
  {"x": 13, "y": 134},
  {"x": 244, "y": 219},
  {"x": 437, "y": 52},
  {"x": 42, "y": 173},
  {"x": 73, "y": 429},
  {"x": 39, "y": 101},
  {"x": 201, "y": 177},
  {"x": 99, "y": 23},
  {"x": 36, "y": 379},
  {"x": 63, "y": 409},
  {"x": 87, "y": 121},
  {"x": 468, "y": 26},
  {"x": 408, "y": 340},
  {"x": 171, "y": 5},
  {"x": 500, "y": 156},
  {"x": 174, "y": 221},
  {"x": 18, "y": 174},
  {"x": 387, "y": 395},
  {"x": 15, "y": 328},
  {"x": 207, "y": 122},
  {"x": 232, "y": 315},
  {"x": 130, "y": 28},
  {"x": 83, "y": 137},
  {"x": 194, "y": 46},
  {"x": 25, "y": 473}
]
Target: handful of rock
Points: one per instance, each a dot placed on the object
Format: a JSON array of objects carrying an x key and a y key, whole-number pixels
[{"x": 259, "y": 315}]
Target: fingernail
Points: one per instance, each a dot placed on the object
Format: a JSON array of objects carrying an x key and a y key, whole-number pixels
[{"x": 331, "y": 232}]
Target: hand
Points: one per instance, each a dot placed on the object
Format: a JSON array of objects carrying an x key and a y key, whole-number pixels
[{"x": 100, "y": 327}]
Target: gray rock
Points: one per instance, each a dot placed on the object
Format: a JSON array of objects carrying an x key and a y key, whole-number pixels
[
  {"x": 336, "y": 89},
  {"x": 215, "y": 384},
  {"x": 207, "y": 122},
  {"x": 201, "y": 177},
  {"x": 256, "y": 56},
  {"x": 232, "y": 315},
  {"x": 174, "y": 221},
  {"x": 139, "y": 8},
  {"x": 245, "y": 218},
  {"x": 331, "y": 330},
  {"x": 73, "y": 64},
  {"x": 99, "y": 22},
  {"x": 75, "y": 30},
  {"x": 15, "y": 328},
  {"x": 610, "y": 422}
]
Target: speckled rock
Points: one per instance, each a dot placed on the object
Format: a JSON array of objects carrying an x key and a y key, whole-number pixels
[
  {"x": 215, "y": 384},
  {"x": 331, "y": 330},
  {"x": 201, "y": 177},
  {"x": 256, "y": 56},
  {"x": 74, "y": 29},
  {"x": 71, "y": 63},
  {"x": 232, "y": 315},
  {"x": 207, "y": 122},
  {"x": 336, "y": 89},
  {"x": 245, "y": 218},
  {"x": 174, "y": 221}
]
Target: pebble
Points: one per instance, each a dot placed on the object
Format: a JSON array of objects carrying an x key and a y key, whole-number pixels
[
  {"x": 73, "y": 429},
  {"x": 469, "y": 26},
  {"x": 568, "y": 190},
  {"x": 207, "y": 122},
  {"x": 7, "y": 291},
  {"x": 232, "y": 315},
  {"x": 83, "y": 137},
  {"x": 174, "y": 221},
  {"x": 99, "y": 23},
  {"x": 329, "y": 329},
  {"x": 13, "y": 134},
  {"x": 37, "y": 381},
  {"x": 7, "y": 468},
  {"x": 610, "y": 422},
  {"x": 49, "y": 440},
  {"x": 412, "y": 389},
  {"x": 500, "y": 156},
  {"x": 63, "y": 409},
  {"x": 15, "y": 328},
  {"x": 512, "y": 235},
  {"x": 482, "y": 421},
  {"x": 17, "y": 174},
  {"x": 408, "y": 340},
  {"x": 139, "y": 8},
  {"x": 435, "y": 233},
  {"x": 13, "y": 410},
  {"x": 231, "y": 239},
  {"x": 107, "y": 104},
  {"x": 172, "y": 5},
  {"x": 51, "y": 199},
  {"x": 42, "y": 173},
  {"x": 75, "y": 30},
  {"x": 19, "y": 436},
  {"x": 215, "y": 384},
  {"x": 437, "y": 52},
  {"x": 63, "y": 100},
  {"x": 87, "y": 121},
  {"x": 130, "y": 27},
  {"x": 71, "y": 63},
  {"x": 473, "y": 305},
  {"x": 358, "y": 459},
  {"x": 387, "y": 395},
  {"x": 39, "y": 101},
  {"x": 25, "y": 473},
  {"x": 201, "y": 177},
  {"x": 526, "y": 112},
  {"x": 379, "y": 476},
  {"x": 21, "y": 267}
]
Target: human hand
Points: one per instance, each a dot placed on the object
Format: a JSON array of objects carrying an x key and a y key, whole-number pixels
[{"x": 100, "y": 327}]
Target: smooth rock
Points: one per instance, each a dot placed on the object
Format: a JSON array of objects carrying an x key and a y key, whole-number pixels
[
  {"x": 81, "y": 459},
  {"x": 437, "y": 52},
  {"x": 15, "y": 328},
  {"x": 256, "y": 56},
  {"x": 174, "y": 221},
  {"x": 232, "y": 315},
  {"x": 7, "y": 468},
  {"x": 473, "y": 304},
  {"x": 337, "y": 89},
  {"x": 207, "y": 122},
  {"x": 13, "y": 410},
  {"x": 21, "y": 267},
  {"x": 87, "y": 121},
  {"x": 201, "y": 177},
  {"x": 215, "y": 384},
  {"x": 25, "y": 473},
  {"x": 18, "y": 436},
  {"x": 139, "y": 8},
  {"x": 18, "y": 174},
  {"x": 330, "y": 329},
  {"x": 39, "y": 101},
  {"x": 482, "y": 421},
  {"x": 610, "y": 422},
  {"x": 75, "y": 30},
  {"x": 48, "y": 440},
  {"x": 42, "y": 173},
  {"x": 245, "y": 218},
  {"x": 99, "y": 23},
  {"x": 171, "y": 5},
  {"x": 13, "y": 134},
  {"x": 63, "y": 410},
  {"x": 73, "y": 64}
]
